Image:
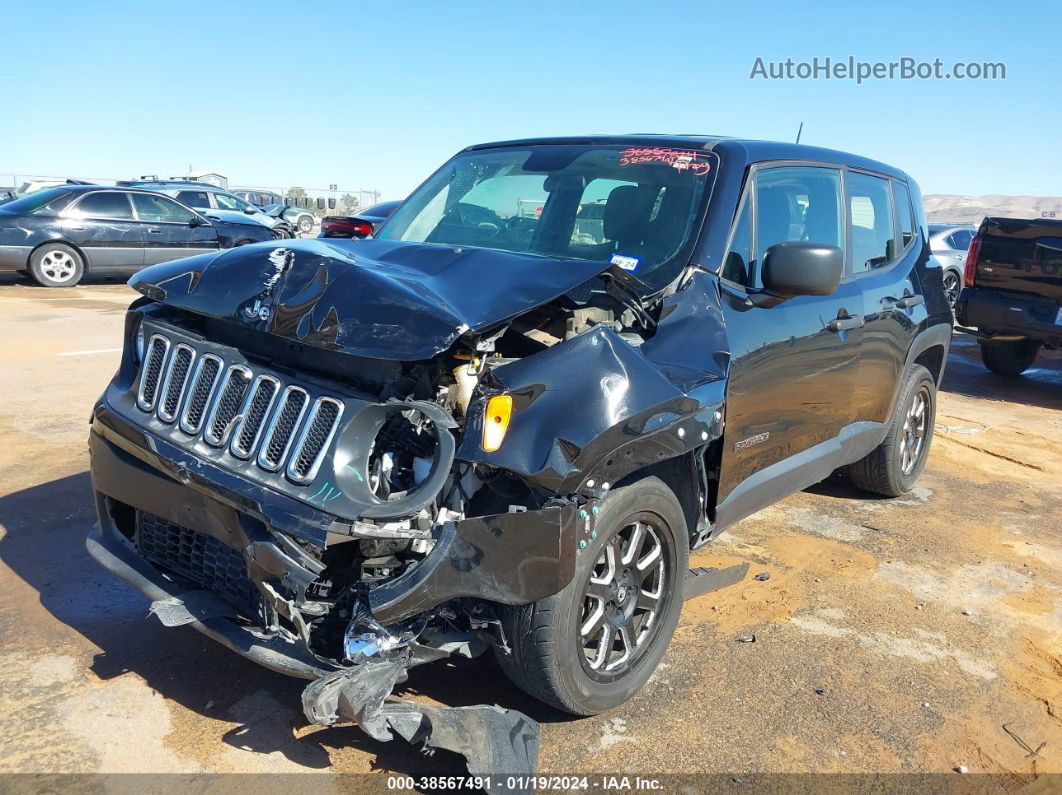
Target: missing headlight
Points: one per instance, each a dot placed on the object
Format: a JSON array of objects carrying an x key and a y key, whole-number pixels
[{"x": 402, "y": 454}]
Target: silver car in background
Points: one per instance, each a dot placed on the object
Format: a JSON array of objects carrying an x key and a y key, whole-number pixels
[{"x": 949, "y": 243}]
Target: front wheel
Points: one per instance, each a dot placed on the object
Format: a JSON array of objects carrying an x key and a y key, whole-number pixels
[
  {"x": 1009, "y": 358},
  {"x": 56, "y": 265},
  {"x": 305, "y": 224},
  {"x": 592, "y": 646},
  {"x": 893, "y": 467}
]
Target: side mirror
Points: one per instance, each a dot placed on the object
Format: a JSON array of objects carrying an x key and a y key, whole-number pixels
[
  {"x": 797, "y": 268},
  {"x": 195, "y": 221},
  {"x": 249, "y": 210}
]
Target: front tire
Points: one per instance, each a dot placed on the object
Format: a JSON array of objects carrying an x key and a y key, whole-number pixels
[
  {"x": 894, "y": 466},
  {"x": 305, "y": 224},
  {"x": 1009, "y": 358},
  {"x": 56, "y": 265},
  {"x": 592, "y": 646}
]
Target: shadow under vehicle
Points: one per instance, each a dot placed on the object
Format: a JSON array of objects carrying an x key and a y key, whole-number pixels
[{"x": 492, "y": 429}]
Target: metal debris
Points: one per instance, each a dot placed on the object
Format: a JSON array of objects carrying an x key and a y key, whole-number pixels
[
  {"x": 746, "y": 639},
  {"x": 763, "y": 576}
]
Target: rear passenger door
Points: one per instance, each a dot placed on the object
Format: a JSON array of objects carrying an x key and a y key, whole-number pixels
[
  {"x": 883, "y": 251},
  {"x": 102, "y": 225},
  {"x": 168, "y": 230},
  {"x": 793, "y": 367}
]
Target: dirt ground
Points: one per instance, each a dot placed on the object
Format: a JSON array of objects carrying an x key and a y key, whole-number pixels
[{"x": 915, "y": 634}]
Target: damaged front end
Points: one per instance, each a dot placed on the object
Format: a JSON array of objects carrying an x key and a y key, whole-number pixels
[{"x": 340, "y": 461}]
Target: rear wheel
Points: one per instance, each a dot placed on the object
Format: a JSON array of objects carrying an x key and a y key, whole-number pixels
[
  {"x": 1009, "y": 358},
  {"x": 592, "y": 646},
  {"x": 894, "y": 466},
  {"x": 305, "y": 224},
  {"x": 56, "y": 265},
  {"x": 952, "y": 286}
]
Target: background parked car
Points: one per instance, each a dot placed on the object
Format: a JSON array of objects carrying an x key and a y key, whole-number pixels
[
  {"x": 203, "y": 196},
  {"x": 57, "y": 234},
  {"x": 259, "y": 198},
  {"x": 299, "y": 217},
  {"x": 361, "y": 225},
  {"x": 949, "y": 243}
]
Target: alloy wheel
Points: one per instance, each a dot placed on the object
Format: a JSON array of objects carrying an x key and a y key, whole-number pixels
[
  {"x": 951, "y": 287},
  {"x": 624, "y": 599},
  {"x": 915, "y": 425},
  {"x": 58, "y": 266}
]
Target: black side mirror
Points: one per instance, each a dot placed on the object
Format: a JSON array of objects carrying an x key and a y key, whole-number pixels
[
  {"x": 797, "y": 268},
  {"x": 195, "y": 221}
]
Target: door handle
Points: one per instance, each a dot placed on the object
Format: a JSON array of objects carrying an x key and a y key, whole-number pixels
[
  {"x": 155, "y": 231},
  {"x": 76, "y": 228},
  {"x": 904, "y": 303},
  {"x": 845, "y": 323}
]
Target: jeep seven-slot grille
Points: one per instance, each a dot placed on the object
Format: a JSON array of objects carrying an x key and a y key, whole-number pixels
[
  {"x": 197, "y": 557},
  {"x": 256, "y": 416}
]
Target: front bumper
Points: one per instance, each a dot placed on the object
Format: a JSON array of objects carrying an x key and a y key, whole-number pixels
[
  {"x": 996, "y": 314},
  {"x": 513, "y": 558}
]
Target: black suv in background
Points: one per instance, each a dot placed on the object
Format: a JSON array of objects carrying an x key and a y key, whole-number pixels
[
  {"x": 1013, "y": 291},
  {"x": 491, "y": 427},
  {"x": 57, "y": 234}
]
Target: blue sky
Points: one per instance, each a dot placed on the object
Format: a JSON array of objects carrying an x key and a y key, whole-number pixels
[{"x": 376, "y": 95}]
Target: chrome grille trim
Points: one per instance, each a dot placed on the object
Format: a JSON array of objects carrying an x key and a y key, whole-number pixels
[
  {"x": 201, "y": 393},
  {"x": 171, "y": 393},
  {"x": 151, "y": 371},
  {"x": 271, "y": 463},
  {"x": 302, "y": 470},
  {"x": 220, "y": 402},
  {"x": 253, "y": 416}
]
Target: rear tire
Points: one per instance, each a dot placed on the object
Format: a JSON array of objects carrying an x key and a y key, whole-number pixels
[
  {"x": 1009, "y": 358},
  {"x": 952, "y": 287},
  {"x": 56, "y": 265},
  {"x": 592, "y": 646},
  {"x": 305, "y": 225},
  {"x": 893, "y": 467}
]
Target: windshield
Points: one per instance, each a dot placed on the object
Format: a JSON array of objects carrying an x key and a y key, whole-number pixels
[
  {"x": 35, "y": 201},
  {"x": 636, "y": 207}
]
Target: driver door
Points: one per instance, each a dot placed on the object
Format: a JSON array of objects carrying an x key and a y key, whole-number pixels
[{"x": 793, "y": 366}]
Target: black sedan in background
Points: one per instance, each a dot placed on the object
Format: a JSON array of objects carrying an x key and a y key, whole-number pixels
[
  {"x": 361, "y": 225},
  {"x": 58, "y": 234}
]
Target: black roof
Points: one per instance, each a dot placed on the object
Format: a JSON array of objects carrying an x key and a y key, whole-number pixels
[{"x": 752, "y": 151}]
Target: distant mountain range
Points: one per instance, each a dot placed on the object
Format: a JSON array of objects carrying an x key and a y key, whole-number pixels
[{"x": 949, "y": 208}]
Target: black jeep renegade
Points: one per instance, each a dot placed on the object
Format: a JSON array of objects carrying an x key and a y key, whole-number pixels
[{"x": 505, "y": 420}]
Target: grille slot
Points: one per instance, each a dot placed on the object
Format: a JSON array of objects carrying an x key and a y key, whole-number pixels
[
  {"x": 175, "y": 381},
  {"x": 314, "y": 439},
  {"x": 200, "y": 558},
  {"x": 280, "y": 432},
  {"x": 204, "y": 380},
  {"x": 254, "y": 411},
  {"x": 226, "y": 405},
  {"x": 151, "y": 371}
]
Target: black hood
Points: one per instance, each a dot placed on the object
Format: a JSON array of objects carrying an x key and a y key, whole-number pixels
[{"x": 376, "y": 298}]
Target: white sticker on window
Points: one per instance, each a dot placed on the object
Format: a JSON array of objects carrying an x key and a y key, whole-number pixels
[{"x": 625, "y": 262}]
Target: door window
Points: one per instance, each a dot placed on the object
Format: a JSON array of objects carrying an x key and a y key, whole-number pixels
[
  {"x": 960, "y": 241},
  {"x": 870, "y": 216},
  {"x": 231, "y": 202},
  {"x": 160, "y": 209},
  {"x": 194, "y": 198},
  {"x": 111, "y": 204},
  {"x": 736, "y": 264},
  {"x": 902, "y": 199},
  {"x": 796, "y": 203}
]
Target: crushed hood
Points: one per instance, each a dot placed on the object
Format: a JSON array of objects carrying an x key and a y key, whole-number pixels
[{"x": 380, "y": 299}]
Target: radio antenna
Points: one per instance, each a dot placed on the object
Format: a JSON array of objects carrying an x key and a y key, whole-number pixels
[{"x": 800, "y": 130}]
